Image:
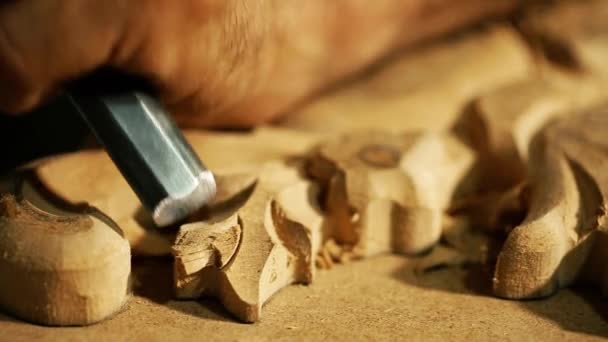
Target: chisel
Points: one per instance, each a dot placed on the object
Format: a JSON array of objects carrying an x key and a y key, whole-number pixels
[{"x": 144, "y": 143}]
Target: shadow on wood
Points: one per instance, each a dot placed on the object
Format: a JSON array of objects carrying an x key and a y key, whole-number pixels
[{"x": 153, "y": 279}]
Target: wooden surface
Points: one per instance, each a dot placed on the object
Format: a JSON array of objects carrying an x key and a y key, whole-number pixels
[
  {"x": 379, "y": 298},
  {"x": 444, "y": 295}
]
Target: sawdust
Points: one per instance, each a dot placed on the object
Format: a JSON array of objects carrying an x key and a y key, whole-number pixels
[{"x": 24, "y": 214}]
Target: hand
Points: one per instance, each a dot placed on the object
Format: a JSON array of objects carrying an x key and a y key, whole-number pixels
[{"x": 215, "y": 62}]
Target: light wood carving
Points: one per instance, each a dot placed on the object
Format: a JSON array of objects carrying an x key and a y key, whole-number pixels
[
  {"x": 387, "y": 192},
  {"x": 499, "y": 126},
  {"x": 199, "y": 245},
  {"x": 381, "y": 191},
  {"x": 89, "y": 178},
  {"x": 253, "y": 244},
  {"x": 60, "y": 265},
  {"x": 567, "y": 214}
]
